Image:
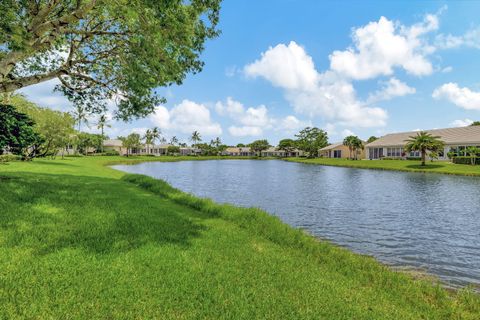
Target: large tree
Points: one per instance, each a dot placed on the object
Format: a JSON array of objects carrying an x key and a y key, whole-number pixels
[
  {"x": 104, "y": 50},
  {"x": 132, "y": 141},
  {"x": 17, "y": 132},
  {"x": 54, "y": 127},
  {"x": 287, "y": 145},
  {"x": 424, "y": 142},
  {"x": 310, "y": 140},
  {"x": 258, "y": 146},
  {"x": 475, "y": 123}
]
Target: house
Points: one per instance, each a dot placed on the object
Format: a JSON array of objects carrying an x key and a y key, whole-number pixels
[
  {"x": 339, "y": 150},
  {"x": 238, "y": 152},
  {"x": 275, "y": 152},
  {"x": 156, "y": 150},
  {"x": 455, "y": 139},
  {"x": 114, "y": 145}
]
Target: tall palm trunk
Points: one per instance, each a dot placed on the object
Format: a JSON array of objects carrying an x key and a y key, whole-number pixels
[{"x": 424, "y": 156}]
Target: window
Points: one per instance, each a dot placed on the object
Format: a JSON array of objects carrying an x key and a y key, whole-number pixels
[
  {"x": 337, "y": 153},
  {"x": 414, "y": 154},
  {"x": 394, "y": 152}
]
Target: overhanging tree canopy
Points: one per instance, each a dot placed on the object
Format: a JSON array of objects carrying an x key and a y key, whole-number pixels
[{"x": 104, "y": 49}]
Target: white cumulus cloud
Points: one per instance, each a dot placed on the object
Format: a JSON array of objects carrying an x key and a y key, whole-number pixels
[
  {"x": 461, "y": 97},
  {"x": 285, "y": 66},
  {"x": 244, "y": 131},
  {"x": 383, "y": 45},
  {"x": 312, "y": 93},
  {"x": 291, "y": 124},
  {"x": 390, "y": 89},
  {"x": 186, "y": 117}
]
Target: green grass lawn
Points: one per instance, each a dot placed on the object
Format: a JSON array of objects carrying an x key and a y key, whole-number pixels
[
  {"x": 400, "y": 165},
  {"x": 82, "y": 241}
]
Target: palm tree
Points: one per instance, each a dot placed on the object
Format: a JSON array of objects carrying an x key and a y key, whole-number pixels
[
  {"x": 349, "y": 142},
  {"x": 101, "y": 124},
  {"x": 424, "y": 142},
  {"x": 195, "y": 138},
  {"x": 156, "y": 134},
  {"x": 353, "y": 143},
  {"x": 148, "y": 139},
  {"x": 174, "y": 140},
  {"x": 216, "y": 142},
  {"x": 80, "y": 116},
  {"x": 357, "y": 144},
  {"x": 472, "y": 152}
]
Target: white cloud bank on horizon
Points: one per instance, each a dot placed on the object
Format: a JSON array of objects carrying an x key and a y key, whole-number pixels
[
  {"x": 461, "y": 97},
  {"x": 253, "y": 121}
]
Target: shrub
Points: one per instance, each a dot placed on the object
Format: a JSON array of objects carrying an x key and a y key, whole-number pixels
[
  {"x": 414, "y": 158},
  {"x": 78, "y": 155},
  {"x": 111, "y": 153},
  {"x": 9, "y": 158},
  {"x": 466, "y": 160}
]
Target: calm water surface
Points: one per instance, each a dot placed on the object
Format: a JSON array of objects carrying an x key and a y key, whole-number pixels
[{"x": 426, "y": 221}]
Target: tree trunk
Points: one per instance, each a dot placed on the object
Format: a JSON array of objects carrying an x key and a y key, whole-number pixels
[{"x": 424, "y": 154}]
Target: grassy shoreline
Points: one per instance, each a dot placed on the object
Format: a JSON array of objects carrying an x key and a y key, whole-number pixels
[
  {"x": 395, "y": 165},
  {"x": 81, "y": 240}
]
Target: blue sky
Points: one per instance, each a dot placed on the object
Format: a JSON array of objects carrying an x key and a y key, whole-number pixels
[{"x": 359, "y": 67}]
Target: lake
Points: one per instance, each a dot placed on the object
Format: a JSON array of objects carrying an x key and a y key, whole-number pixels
[{"x": 425, "y": 221}]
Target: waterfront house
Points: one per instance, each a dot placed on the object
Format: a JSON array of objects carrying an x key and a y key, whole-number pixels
[
  {"x": 455, "y": 139},
  {"x": 152, "y": 149},
  {"x": 338, "y": 150},
  {"x": 238, "y": 152}
]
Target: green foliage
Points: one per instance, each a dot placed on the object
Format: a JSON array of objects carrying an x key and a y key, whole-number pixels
[
  {"x": 195, "y": 138},
  {"x": 423, "y": 142},
  {"x": 130, "y": 142},
  {"x": 9, "y": 158},
  {"x": 111, "y": 153},
  {"x": 104, "y": 50},
  {"x": 287, "y": 145},
  {"x": 258, "y": 146},
  {"x": 54, "y": 127},
  {"x": 17, "y": 132},
  {"x": 310, "y": 140},
  {"x": 472, "y": 160},
  {"x": 475, "y": 123},
  {"x": 240, "y": 145},
  {"x": 371, "y": 139},
  {"x": 173, "y": 150},
  {"x": 354, "y": 144},
  {"x": 89, "y": 142}
]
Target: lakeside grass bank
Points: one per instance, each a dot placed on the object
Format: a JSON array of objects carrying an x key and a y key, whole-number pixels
[
  {"x": 396, "y": 165},
  {"x": 81, "y": 240}
]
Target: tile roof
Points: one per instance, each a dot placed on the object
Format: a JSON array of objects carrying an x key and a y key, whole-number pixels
[
  {"x": 463, "y": 135},
  {"x": 332, "y": 146}
]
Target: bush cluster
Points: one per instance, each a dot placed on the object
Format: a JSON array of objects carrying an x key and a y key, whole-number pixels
[
  {"x": 9, "y": 157},
  {"x": 466, "y": 160}
]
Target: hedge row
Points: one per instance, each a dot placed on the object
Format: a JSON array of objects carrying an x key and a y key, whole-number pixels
[{"x": 466, "y": 160}]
